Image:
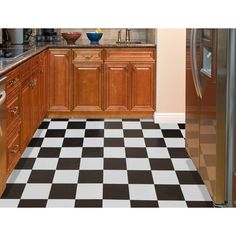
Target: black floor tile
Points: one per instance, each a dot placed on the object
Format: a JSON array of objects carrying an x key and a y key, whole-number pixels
[
  {"x": 94, "y": 133},
  {"x": 171, "y": 133},
  {"x": 68, "y": 164},
  {"x": 149, "y": 125},
  {"x": 115, "y": 164},
  {"x": 35, "y": 142},
  {"x": 114, "y": 142},
  {"x": 92, "y": 152},
  {"x": 41, "y": 176},
  {"x": 140, "y": 203},
  {"x": 73, "y": 142},
  {"x": 76, "y": 125},
  {"x": 44, "y": 125},
  {"x": 133, "y": 133},
  {"x": 113, "y": 125},
  {"x": 32, "y": 203},
  {"x": 49, "y": 152},
  {"x": 55, "y": 133},
  {"x": 161, "y": 164},
  {"x": 189, "y": 177},
  {"x": 178, "y": 153},
  {"x": 13, "y": 191},
  {"x": 200, "y": 204},
  {"x": 90, "y": 176},
  {"x": 25, "y": 163},
  {"x": 88, "y": 203},
  {"x": 181, "y": 125},
  {"x": 136, "y": 152},
  {"x": 140, "y": 177},
  {"x": 155, "y": 142},
  {"x": 63, "y": 191},
  {"x": 59, "y": 119},
  {"x": 115, "y": 191},
  {"x": 169, "y": 192}
]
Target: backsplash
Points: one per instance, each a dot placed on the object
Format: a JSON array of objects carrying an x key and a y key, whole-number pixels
[{"x": 111, "y": 34}]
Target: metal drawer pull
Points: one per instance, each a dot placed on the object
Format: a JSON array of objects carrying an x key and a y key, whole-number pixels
[
  {"x": 88, "y": 57},
  {"x": 15, "y": 149},
  {"x": 14, "y": 110}
]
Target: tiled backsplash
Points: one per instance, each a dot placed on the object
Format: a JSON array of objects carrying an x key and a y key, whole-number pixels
[{"x": 143, "y": 35}]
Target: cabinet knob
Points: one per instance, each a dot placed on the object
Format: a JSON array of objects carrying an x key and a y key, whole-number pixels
[
  {"x": 14, "y": 110},
  {"x": 12, "y": 82},
  {"x": 15, "y": 149}
]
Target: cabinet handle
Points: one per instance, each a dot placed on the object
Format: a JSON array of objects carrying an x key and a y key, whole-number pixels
[
  {"x": 88, "y": 57},
  {"x": 12, "y": 82},
  {"x": 33, "y": 83},
  {"x": 14, "y": 110},
  {"x": 15, "y": 149}
]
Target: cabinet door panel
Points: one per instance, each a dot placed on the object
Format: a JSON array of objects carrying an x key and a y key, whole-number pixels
[
  {"x": 117, "y": 87},
  {"x": 143, "y": 86},
  {"x": 87, "y": 89},
  {"x": 59, "y": 84}
]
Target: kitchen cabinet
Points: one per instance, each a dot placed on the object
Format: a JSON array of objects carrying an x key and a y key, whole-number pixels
[
  {"x": 87, "y": 80},
  {"x": 59, "y": 80},
  {"x": 117, "y": 86}
]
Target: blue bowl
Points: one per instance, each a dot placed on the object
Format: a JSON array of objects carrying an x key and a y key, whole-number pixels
[{"x": 94, "y": 37}]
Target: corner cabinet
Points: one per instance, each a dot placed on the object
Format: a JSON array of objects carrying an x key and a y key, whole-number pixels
[{"x": 59, "y": 80}]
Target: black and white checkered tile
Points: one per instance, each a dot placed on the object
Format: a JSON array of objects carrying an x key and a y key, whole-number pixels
[{"x": 106, "y": 163}]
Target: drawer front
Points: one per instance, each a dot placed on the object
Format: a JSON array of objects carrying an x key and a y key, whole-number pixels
[
  {"x": 35, "y": 62},
  {"x": 13, "y": 149},
  {"x": 13, "y": 108},
  {"x": 25, "y": 69},
  {"x": 87, "y": 54},
  {"x": 135, "y": 54},
  {"x": 13, "y": 80}
]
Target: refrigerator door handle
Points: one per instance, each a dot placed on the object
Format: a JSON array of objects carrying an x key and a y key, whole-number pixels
[{"x": 193, "y": 55}]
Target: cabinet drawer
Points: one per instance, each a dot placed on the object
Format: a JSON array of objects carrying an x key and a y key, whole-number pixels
[
  {"x": 13, "y": 108},
  {"x": 35, "y": 62},
  {"x": 87, "y": 54},
  {"x": 25, "y": 70},
  {"x": 135, "y": 54},
  {"x": 13, "y": 80},
  {"x": 13, "y": 149}
]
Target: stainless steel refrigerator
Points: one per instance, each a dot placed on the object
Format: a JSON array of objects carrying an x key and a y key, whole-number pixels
[{"x": 211, "y": 107}]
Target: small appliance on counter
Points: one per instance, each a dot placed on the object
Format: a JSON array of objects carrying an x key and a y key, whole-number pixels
[
  {"x": 16, "y": 36},
  {"x": 47, "y": 35}
]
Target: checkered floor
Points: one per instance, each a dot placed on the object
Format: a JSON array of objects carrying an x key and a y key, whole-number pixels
[{"x": 106, "y": 163}]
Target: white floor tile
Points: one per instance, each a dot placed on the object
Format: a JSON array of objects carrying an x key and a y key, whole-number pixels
[
  {"x": 89, "y": 191},
  {"x": 113, "y": 133},
  {"x": 169, "y": 126},
  {"x": 66, "y": 176},
  {"x": 71, "y": 152},
  {"x": 142, "y": 192},
  {"x": 45, "y": 164},
  {"x": 183, "y": 164},
  {"x": 91, "y": 163},
  {"x": 9, "y": 203},
  {"x": 116, "y": 203},
  {"x": 19, "y": 177},
  {"x": 31, "y": 152},
  {"x": 40, "y": 133},
  {"x": 175, "y": 142},
  {"x": 115, "y": 177},
  {"x": 161, "y": 152},
  {"x": 94, "y": 125},
  {"x": 164, "y": 177},
  {"x": 131, "y": 125},
  {"x": 114, "y": 152},
  {"x": 52, "y": 142},
  {"x": 58, "y": 125},
  {"x": 152, "y": 133},
  {"x": 172, "y": 204},
  {"x": 74, "y": 133},
  {"x": 54, "y": 203},
  {"x": 195, "y": 193},
  {"x": 134, "y": 142},
  {"x": 36, "y": 191},
  {"x": 93, "y": 142},
  {"x": 138, "y": 164}
]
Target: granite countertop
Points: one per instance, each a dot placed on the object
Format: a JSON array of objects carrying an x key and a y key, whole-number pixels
[{"x": 7, "y": 64}]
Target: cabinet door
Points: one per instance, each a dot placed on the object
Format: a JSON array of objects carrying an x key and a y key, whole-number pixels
[
  {"x": 25, "y": 113},
  {"x": 117, "y": 87},
  {"x": 142, "y": 88},
  {"x": 87, "y": 87},
  {"x": 59, "y": 79}
]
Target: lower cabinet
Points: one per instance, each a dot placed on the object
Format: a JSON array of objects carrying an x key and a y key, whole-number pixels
[{"x": 87, "y": 86}]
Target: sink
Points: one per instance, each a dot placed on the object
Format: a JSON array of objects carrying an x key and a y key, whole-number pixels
[{"x": 131, "y": 42}]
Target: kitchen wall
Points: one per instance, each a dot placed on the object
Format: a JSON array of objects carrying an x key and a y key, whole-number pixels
[
  {"x": 171, "y": 44},
  {"x": 0, "y": 35},
  {"x": 110, "y": 35}
]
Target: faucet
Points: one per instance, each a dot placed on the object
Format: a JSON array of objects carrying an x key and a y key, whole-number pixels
[
  {"x": 127, "y": 35},
  {"x": 119, "y": 36}
]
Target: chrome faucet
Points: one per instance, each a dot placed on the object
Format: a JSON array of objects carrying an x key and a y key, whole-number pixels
[
  {"x": 127, "y": 35},
  {"x": 119, "y": 36}
]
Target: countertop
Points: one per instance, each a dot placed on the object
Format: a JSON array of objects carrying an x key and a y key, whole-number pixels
[{"x": 8, "y": 64}]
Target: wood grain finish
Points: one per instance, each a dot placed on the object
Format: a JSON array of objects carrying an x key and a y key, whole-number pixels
[
  {"x": 117, "y": 87},
  {"x": 143, "y": 87},
  {"x": 87, "y": 55},
  {"x": 234, "y": 189},
  {"x": 59, "y": 82}
]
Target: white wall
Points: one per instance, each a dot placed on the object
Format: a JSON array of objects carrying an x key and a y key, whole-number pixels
[{"x": 171, "y": 46}]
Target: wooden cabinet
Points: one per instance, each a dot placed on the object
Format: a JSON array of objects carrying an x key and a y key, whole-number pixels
[
  {"x": 117, "y": 87},
  {"x": 59, "y": 80}
]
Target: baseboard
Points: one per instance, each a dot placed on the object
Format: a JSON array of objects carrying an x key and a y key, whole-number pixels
[{"x": 169, "y": 117}]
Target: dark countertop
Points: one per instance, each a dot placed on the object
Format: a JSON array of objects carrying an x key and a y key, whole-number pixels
[{"x": 7, "y": 64}]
